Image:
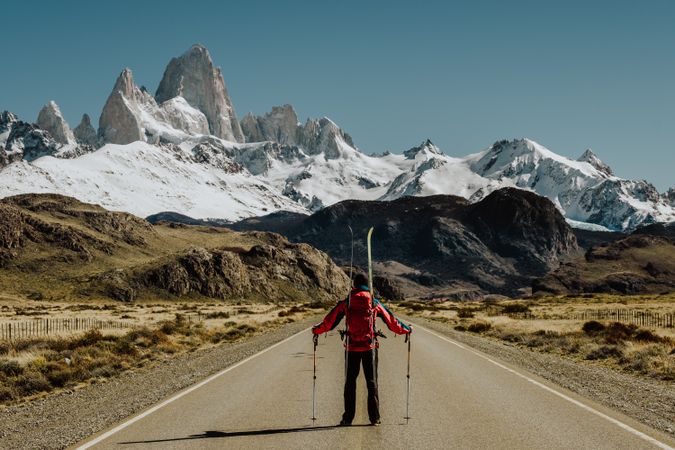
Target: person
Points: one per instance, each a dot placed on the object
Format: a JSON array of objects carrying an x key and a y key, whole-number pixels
[{"x": 360, "y": 343}]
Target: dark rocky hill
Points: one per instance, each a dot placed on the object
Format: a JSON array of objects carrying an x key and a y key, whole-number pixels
[{"x": 496, "y": 245}]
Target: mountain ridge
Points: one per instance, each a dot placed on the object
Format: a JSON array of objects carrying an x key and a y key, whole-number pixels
[{"x": 276, "y": 163}]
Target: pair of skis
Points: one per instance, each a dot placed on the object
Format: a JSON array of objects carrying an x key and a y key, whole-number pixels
[{"x": 346, "y": 334}]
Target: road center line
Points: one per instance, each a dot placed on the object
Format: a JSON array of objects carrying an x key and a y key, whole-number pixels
[
  {"x": 617, "y": 422},
  {"x": 194, "y": 387}
]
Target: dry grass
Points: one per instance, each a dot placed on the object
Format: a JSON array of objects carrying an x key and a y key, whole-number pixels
[
  {"x": 37, "y": 366},
  {"x": 639, "y": 350}
]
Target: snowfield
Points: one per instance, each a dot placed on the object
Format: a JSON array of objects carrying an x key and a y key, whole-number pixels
[{"x": 206, "y": 177}]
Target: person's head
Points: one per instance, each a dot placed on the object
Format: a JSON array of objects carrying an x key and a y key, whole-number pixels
[{"x": 360, "y": 279}]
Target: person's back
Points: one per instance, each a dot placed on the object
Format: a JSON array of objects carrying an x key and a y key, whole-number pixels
[{"x": 360, "y": 310}]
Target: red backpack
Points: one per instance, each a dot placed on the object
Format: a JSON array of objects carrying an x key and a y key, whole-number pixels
[{"x": 360, "y": 318}]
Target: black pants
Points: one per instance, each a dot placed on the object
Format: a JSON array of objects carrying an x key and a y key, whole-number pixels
[{"x": 354, "y": 361}]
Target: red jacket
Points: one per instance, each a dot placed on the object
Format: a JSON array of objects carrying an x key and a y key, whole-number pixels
[{"x": 334, "y": 317}]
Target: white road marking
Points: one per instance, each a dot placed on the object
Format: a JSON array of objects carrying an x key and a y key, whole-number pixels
[
  {"x": 134, "y": 419},
  {"x": 620, "y": 424}
]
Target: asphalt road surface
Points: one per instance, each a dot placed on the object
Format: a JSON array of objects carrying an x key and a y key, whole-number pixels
[{"x": 460, "y": 398}]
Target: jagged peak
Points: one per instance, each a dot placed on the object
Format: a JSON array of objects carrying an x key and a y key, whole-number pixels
[
  {"x": 426, "y": 146},
  {"x": 51, "y": 120},
  {"x": 125, "y": 83},
  {"x": 86, "y": 120},
  {"x": 591, "y": 158}
]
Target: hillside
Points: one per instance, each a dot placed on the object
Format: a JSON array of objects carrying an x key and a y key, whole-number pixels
[
  {"x": 58, "y": 248},
  {"x": 444, "y": 243},
  {"x": 637, "y": 264}
]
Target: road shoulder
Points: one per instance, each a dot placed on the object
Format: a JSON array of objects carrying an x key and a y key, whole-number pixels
[
  {"x": 651, "y": 402},
  {"x": 71, "y": 416}
]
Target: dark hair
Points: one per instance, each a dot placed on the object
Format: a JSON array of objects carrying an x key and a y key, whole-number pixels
[{"x": 360, "y": 279}]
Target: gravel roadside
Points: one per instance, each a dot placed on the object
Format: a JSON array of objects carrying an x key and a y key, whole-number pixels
[
  {"x": 67, "y": 417},
  {"x": 649, "y": 401}
]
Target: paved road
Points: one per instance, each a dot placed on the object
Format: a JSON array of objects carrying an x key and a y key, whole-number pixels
[{"x": 460, "y": 399}]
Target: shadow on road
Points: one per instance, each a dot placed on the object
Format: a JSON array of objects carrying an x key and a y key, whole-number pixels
[{"x": 226, "y": 434}]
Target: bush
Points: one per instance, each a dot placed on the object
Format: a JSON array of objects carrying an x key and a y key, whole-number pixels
[
  {"x": 465, "y": 313},
  {"x": 592, "y": 327},
  {"x": 31, "y": 383},
  {"x": 515, "y": 308},
  {"x": 218, "y": 315},
  {"x": 6, "y": 394},
  {"x": 479, "y": 327},
  {"x": 648, "y": 336},
  {"x": 460, "y": 328},
  {"x": 617, "y": 332},
  {"x": 11, "y": 368},
  {"x": 60, "y": 377},
  {"x": 604, "y": 352}
]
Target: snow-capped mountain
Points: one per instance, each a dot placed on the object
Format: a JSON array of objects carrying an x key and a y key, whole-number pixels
[{"x": 184, "y": 150}]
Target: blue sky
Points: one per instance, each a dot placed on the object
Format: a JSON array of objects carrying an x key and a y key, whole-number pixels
[{"x": 570, "y": 75}]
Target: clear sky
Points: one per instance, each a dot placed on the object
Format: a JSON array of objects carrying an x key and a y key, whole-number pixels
[{"x": 568, "y": 74}]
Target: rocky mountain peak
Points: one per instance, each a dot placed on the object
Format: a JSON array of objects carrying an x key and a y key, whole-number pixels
[
  {"x": 193, "y": 77},
  {"x": 118, "y": 123},
  {"x": 6, "y": 120},
  {"x": 279, "y": 125},
  {"x": 425, "y": 147},
  {"x": 85, "y": 133},
  {"x": 51, "y": 120},
  {"x": 591, "y": 158}
]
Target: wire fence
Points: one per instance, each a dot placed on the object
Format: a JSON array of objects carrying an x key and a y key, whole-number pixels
[
  {"x": 636, "y": 317},
  {"x": 46, "y": 327}
]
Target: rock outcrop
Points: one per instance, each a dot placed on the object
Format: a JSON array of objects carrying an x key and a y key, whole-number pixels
[
  {"x": 193, "y": 77},
  {"x": 51, "y": 120},
  {"x": 119, "y": 123},
  {"x": 281, "y": 125},
  {"x": 85, "y": 133},
  {"x": 29, "y": 142},
  {"x": 132, "y": 114}
]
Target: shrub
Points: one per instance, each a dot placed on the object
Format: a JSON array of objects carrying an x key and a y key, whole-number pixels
[
  {"x": 6, "y": 394},
  {"x": 465, "y": 313},
  {"x": 515, "y": 308},
  {"x": 60, "y": 377},
  {"x": 11, "y": 368},
  {"x": 604, "y": 352},
  {"x": 479, "y": 327},
  {"x": 592, "y": 327},
  {"x": 648, "y": 336},
  {"x": 617, "y": 332},
  {"x": 32, "y": 382},
  {"x": 460, "y": 328},
  {"x": 4, "y": 348},
  {"x": 218, "y": 315}
]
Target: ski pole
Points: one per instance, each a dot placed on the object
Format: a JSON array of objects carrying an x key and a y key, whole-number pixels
[
  {"x": 407, "y": 399},
  {"x": 316, "y": 342},
  {"x": 346, "y": 332}
]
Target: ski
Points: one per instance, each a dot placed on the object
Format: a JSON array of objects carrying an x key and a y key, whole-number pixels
[{"x": 370, "y": 264}]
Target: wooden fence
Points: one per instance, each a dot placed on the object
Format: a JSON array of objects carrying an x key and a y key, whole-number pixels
[
  {"x": 640, "y": 318},
  {"x": 46, "y": 327}
]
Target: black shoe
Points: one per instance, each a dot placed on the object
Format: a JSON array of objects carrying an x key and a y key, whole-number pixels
[
  {"x": 376, "y": 423},
  {"x": 344, "y": 423}
]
